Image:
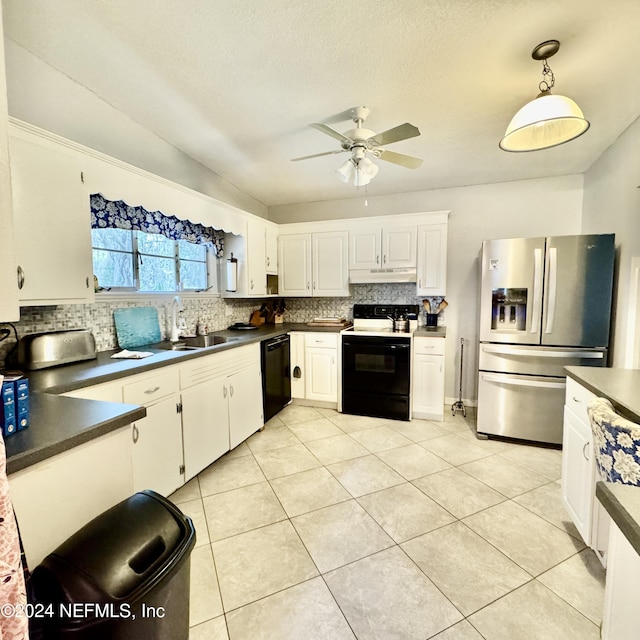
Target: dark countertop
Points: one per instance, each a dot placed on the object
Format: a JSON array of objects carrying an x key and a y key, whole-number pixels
[
  {"x": 622, "y": 502},
  {"x": 620, "y": 386},
  {"x": 59, "y": 423}
]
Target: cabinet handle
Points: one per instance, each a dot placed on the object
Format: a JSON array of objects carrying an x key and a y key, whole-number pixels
[
  {"x": 575, "y": 399},
  {"x": 420, "y": 283},
  {"x": 224, "y": 391},
  {"x": 231, "y": 390},
  {"x": 20, "y": 278},
  {"x": 384, "y": 259},
  {"x": 307, "y": 284},
  {"x": 268, "y": 261},
  {"x": 135, "y": 434},
  {"x": 584, "y": 455},
  {"x": 150, "y": 391},
  {"x": 378, "y": 259},
  {"x": 87, "y": 282},
  {"x": 252, "y": 284}
]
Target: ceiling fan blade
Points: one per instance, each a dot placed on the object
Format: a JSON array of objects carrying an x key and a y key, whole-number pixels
[
  {"x": 332, "y": 132},
  {"x": 317, "y": 155},
  {"x": 410, "y": 162},
  {"x": 401, "y": 132}
]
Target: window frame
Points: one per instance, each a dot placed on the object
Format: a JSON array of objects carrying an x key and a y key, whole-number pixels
[{"x": 137, "y": 257}]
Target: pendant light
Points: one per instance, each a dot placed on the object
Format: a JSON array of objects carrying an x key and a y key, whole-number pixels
[{"x": 548, "y": 120}]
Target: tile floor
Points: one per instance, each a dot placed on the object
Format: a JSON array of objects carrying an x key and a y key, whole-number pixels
[{"x": 328, "y": 526}]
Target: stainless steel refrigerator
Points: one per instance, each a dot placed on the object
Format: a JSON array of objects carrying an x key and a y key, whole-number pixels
[{"x": 545, "y": 304}]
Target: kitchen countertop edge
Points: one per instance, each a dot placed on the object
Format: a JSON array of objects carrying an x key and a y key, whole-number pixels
[
  {"x": 619, "y": 386},
  {"x": 622, "y": 503},
  {"x": 60, "y": 423}
]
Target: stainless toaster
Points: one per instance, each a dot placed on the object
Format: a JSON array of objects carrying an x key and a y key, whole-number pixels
[{"x": 43, "y": 350}]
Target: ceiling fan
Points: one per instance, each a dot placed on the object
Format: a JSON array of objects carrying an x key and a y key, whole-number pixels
[{"x": 360, "y": 142}]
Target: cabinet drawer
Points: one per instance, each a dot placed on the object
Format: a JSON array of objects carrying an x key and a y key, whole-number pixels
[
  {"x": 150, "y": 389},
  {"x": 321, "y": 340},
  {"x": 428, "y": 346},
  {"x": 576, "y": 399}
]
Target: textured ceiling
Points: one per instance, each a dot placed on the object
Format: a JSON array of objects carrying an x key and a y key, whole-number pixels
[{"x": 235, "y": 83}]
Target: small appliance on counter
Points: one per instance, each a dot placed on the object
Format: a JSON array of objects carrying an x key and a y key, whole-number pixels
[{"x": 53, "y": 348}]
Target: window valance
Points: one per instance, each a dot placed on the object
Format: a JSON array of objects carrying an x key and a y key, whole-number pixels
[{"x": 117, "y": 214}]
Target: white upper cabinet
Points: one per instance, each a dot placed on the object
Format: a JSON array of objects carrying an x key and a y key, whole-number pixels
[
  {"x": 432, "y": 259},
  {"x": 272, "y": 249},
  {"x": 256, "y": 258},
  {"x": 313, "y": 264},
  {"x": 52, "y": 222},
  {"x": 382, "y": 247},
  {"x": 9, "y": 308}
]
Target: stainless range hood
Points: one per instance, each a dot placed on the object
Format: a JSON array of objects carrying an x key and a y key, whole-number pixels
[{"x": 357, "y": 276}]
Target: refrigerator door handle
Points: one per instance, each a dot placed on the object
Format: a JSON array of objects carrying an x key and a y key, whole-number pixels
[
  {"x": 552, "y": 270},
  {"x": 510, "y": 351},
  {"x": 521, "y": 381},
  {"x": 537, "y": 290}
]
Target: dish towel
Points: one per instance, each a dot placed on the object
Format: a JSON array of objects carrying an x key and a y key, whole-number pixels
[
  {"x": 135, "y": 355},
  {"x": 13, "y": 594}
]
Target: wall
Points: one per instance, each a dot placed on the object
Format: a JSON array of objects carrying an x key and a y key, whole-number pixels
[
  {"x": 525, "y": 208},
  {"x": 612, "y": 204},
  {"x": 80, "y": 115}
]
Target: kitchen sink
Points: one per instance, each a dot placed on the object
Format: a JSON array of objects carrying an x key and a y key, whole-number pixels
[{"x": 193, "y": 343}]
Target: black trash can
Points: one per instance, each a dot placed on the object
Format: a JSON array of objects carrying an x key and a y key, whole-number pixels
[{"x": 124, "y": 575}]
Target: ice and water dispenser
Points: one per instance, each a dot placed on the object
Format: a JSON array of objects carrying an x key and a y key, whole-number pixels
[{"x": 509, "y": 309}]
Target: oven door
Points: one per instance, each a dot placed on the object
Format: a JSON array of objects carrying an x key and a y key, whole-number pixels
[{"x": 376, "y": 376}]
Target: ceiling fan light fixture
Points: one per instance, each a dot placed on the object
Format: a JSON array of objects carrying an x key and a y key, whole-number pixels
[
  {"x": 548, "y": 120},
  {"x": 346, "y": 171}
]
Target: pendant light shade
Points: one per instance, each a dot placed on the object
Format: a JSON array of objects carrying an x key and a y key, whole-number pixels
[{"x": 548, "y": 120}]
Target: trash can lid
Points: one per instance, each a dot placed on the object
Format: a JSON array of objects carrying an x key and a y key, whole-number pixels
[{"x": 121, "y": 549}]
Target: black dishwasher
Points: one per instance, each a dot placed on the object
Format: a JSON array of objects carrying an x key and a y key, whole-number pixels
[{"x": 276, "y": 383}]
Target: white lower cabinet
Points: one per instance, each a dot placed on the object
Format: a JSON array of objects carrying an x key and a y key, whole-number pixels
[
  {"x": 156, "y": 439},
  {"x": 205, "y": 434},
  {"x": 427, "y": 380},
  {"x": 226, "y": 408},
  {"x": 579, "y": 475},
  {"x": 321, "y": 367},
  {"x": 54, "y": 498}
]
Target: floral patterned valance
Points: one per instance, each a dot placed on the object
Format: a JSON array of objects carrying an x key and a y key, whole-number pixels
[{"x": 117, "y": 214}]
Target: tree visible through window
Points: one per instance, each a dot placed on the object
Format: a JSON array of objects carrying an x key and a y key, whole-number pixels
[{"x": 125, "y": 259}]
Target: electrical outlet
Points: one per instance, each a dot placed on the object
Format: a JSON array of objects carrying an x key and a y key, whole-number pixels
[{"x": 228, "y": 311}]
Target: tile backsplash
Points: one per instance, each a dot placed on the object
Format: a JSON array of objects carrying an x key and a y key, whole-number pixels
[{"x": 215, "y": 313}]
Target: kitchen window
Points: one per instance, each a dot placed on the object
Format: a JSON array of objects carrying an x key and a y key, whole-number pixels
[
  {"x": 138, "y": 250},
  {"x": 124, "y": 259}
]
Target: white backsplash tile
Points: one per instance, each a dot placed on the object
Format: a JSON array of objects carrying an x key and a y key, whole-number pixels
[{"x": 215, "y": 313}]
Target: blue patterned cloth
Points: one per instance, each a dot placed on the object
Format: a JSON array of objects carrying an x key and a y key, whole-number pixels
[
  {"x": 616, "y": 443},
  {"x": 117, "y": 214}
]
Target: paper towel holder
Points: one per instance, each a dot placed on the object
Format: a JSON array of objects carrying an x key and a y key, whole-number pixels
[{"x": 232, "y": 274}]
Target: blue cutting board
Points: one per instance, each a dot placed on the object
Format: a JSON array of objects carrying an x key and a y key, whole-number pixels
[{"x": 137, "y": 326}]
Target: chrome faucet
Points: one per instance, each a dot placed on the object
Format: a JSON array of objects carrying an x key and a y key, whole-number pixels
[{"x": 178, "y": 323}]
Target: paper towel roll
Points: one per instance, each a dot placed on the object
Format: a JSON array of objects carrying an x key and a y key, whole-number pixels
[{"x": 232, "y": 274}]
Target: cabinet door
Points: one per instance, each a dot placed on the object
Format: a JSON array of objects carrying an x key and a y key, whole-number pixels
[
  {"x": 330, "y": 268},
  {"x": 157, "y": 448},
  {"x": 55, "y": 497},
  {"x": 364, "y": 248},
  {"x": 9, "y": 308},
  {"x": 256, "y": 257},
  {"x": 432, "y": 260},
  {"x": 322, "y": 374},
  {"x": 272, "y": 249},
  {"x": 205, "y": 425},
  {"x": 297, "y": 367},
  {"x": 52, "y": 225},
  {"x": 578, "y": 473},
  {"x": 245, "y": 404},
  {"x": 428, "y": 387},
  {"x": 294, "y": 265},
  {"x": 398, "y": 247}
]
